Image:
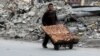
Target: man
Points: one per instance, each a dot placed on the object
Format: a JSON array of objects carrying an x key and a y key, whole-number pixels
[{"x": 49, "y": 18}]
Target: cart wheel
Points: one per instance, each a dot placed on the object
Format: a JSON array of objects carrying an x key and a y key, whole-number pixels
[
  {"x": 56, "y": 47},
  {"x": 70, "y": 46}
]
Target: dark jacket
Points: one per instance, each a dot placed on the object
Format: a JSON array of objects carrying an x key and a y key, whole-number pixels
[{"x": 49, "y": 18}]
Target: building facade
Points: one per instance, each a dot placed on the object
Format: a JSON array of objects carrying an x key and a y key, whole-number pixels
[{"x": 75, "y": 2}]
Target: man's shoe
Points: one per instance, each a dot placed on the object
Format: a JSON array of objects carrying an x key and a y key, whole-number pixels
[{"x": 45, "y": 47}]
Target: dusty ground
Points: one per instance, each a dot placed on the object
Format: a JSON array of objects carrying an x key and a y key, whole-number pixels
[{"x": 20, "y": 48}]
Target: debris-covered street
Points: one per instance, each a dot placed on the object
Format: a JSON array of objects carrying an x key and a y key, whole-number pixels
[
  {"x": 26, "y": 24},
  {"x": 21, "y": 32}
]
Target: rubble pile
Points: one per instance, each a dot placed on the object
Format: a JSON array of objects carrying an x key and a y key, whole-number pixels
[
  {"x": 20, "y": 19},
  {"x": 88, "y": 29},
  {"x": 24, "y": 24}
]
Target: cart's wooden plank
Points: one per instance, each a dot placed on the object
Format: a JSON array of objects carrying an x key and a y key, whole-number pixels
[
  {"x": 58, "y": 33},
  {"x": 56, "y": 29}
]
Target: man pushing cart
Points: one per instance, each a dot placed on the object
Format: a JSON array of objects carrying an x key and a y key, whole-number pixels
[{"x": 57, "y": 33}]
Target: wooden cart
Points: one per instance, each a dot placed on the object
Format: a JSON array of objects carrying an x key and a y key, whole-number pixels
[{"x": 60, "y": 36}]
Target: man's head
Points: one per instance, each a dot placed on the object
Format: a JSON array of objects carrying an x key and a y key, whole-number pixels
[{"x": 50, "y": 7}]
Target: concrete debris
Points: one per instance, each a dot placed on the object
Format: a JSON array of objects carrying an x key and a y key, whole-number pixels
[
  {"x": 92, "y": 43},
  {"x": 20, "y": 23}
]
